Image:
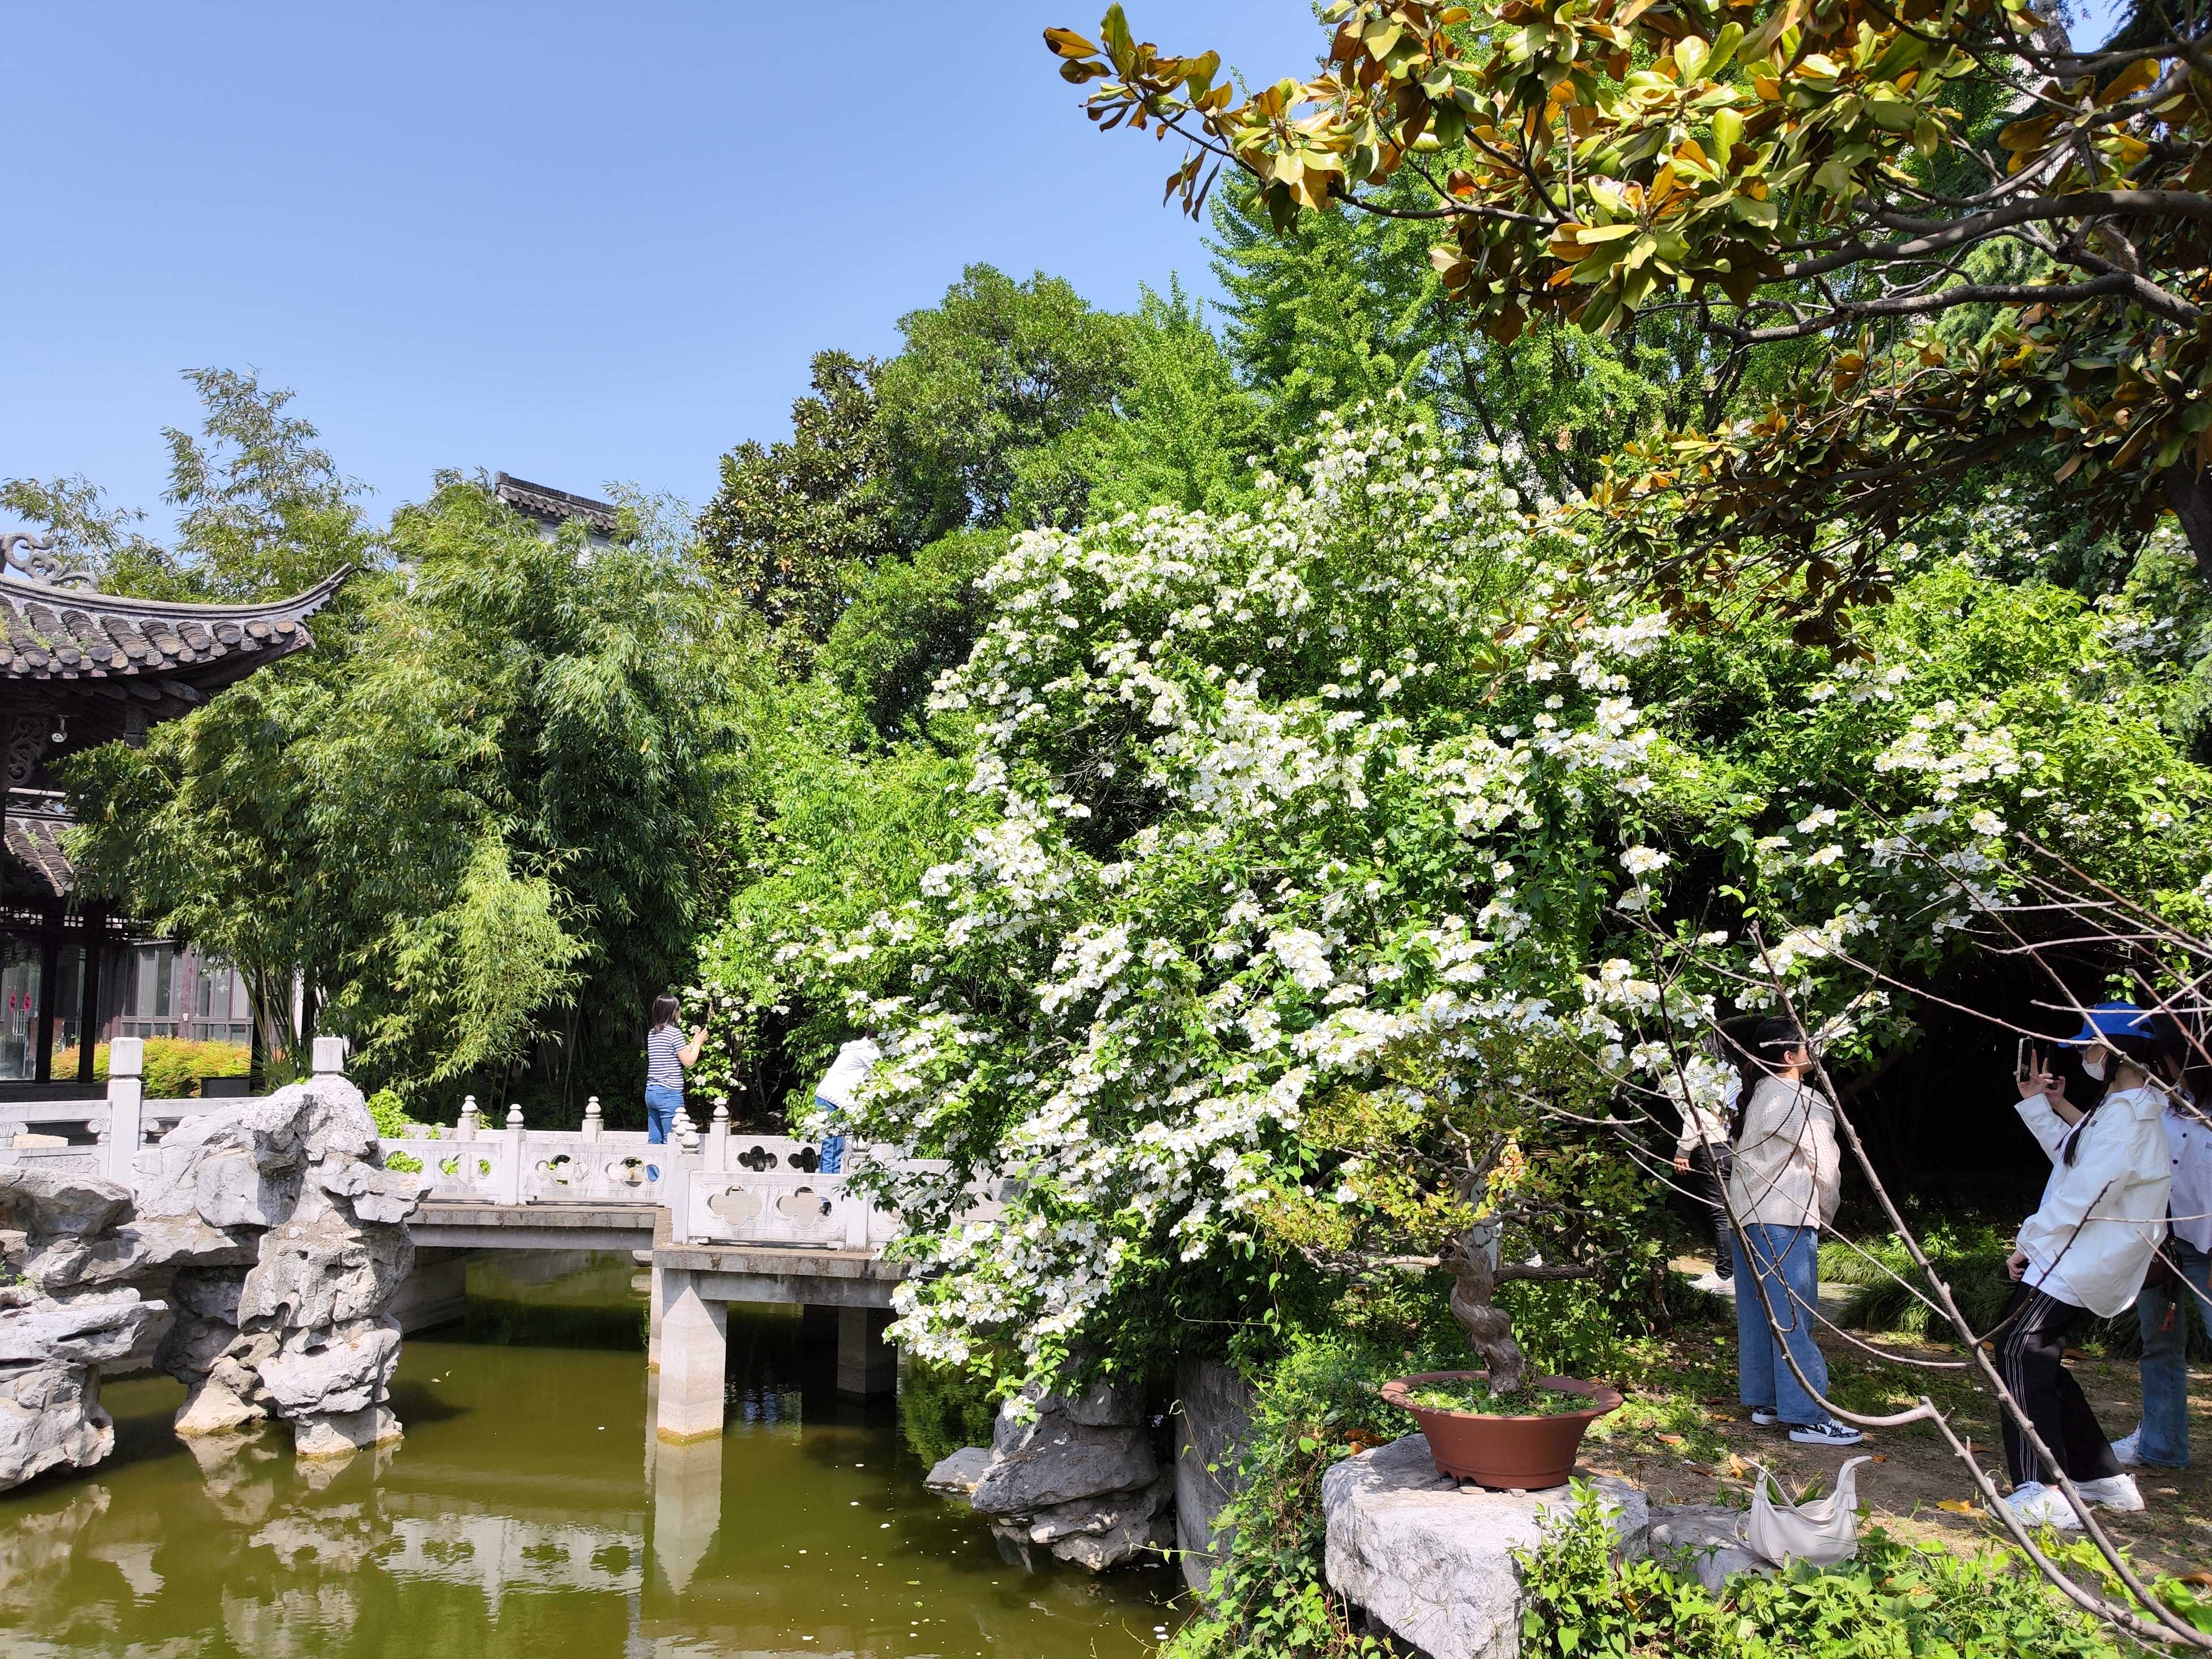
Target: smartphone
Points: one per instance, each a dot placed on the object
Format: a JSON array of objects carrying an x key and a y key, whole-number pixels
[{"x": 2020, "y": 1067}]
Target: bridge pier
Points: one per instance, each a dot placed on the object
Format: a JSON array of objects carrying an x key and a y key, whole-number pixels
[
  {"x": 843, "y": 1293},
  {"x": 435, "y": 1292},
  {"x": 693, "y": 1345}
]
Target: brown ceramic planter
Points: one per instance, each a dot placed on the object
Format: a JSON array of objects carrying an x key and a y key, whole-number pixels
[{"x": 1524, "y": 1453}]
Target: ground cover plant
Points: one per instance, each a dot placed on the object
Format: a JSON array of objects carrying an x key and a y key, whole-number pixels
[{"x": 1475, "y": 1394}]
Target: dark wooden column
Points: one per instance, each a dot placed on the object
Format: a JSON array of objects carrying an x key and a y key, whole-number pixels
[
  {"x": 88, "y": 1020},
  {"x": 49, "y": 974}
]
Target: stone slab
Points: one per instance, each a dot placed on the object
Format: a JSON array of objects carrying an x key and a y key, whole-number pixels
[
  {"x": 1214, "y": 1414},
  {"x": 956, "y": 1476},
  {"x": 1433, "y": 1562}
]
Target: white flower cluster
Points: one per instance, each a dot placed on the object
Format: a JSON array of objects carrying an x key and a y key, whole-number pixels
[{"x": 1264, "y": 797}]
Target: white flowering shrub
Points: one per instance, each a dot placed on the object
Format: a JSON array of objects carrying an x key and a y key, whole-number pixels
[{"x": 1290, "y": 839}]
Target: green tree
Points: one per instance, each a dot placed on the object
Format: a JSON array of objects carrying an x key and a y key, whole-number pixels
[
  {"x": 798, "y": 523},
  {"x": 1182, "y": 431},
  {"x": 913, "y": 619},
  {"x": 476, "y": 825},
  {"x": 1991, "y": 240},
  {"x": 263, "y": 510},
  {"x": 998, "y": 368},
  {"x": 1343, "y": 308}
]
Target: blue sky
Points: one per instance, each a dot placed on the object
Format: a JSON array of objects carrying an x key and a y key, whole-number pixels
[
  {"x": 580, "y": 243},
  {"x": 576, "y": 242}
]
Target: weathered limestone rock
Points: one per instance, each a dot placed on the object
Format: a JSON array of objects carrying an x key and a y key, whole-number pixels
[
  {"x": 1432, "y": 1562},
  {"x": 1214, "y": 1414},
  {"x": 1079, "y": 1478},
  {"x": 50, "y": 1418},
  {"x": 343, "y": 1433},
  {"x": 340, "y": 1377},
  {"x": 33, "y": 1200},
  {"x": 265, "y": 1246},
  {"x": 1059, "y": 1456},
  {"x": 1705, "y": 1540}
]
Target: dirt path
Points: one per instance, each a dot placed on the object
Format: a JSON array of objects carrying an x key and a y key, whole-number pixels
[{"x": 1685, "y": 1439}]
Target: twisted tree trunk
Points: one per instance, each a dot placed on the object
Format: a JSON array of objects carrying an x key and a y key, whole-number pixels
[{"x": 1489, "y": 1331}]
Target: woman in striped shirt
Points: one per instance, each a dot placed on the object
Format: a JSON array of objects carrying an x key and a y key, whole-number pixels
[{"x": 666, "y": 1054}]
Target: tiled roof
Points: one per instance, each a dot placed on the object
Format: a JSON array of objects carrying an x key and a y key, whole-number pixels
[
  {"x": 554, "y": 506},
  {"x": 35, "y": 846},
  {"x": 50, "y": 633}
]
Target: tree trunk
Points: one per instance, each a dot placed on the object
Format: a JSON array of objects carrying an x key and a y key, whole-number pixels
[
  {"x": 2189, "y": 493},
  {"x": 1489, "y": 1331}
]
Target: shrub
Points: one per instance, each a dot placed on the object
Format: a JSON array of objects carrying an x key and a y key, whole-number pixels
[
  {"x": 1892, "y": 1601},
  {"x": 173, "y": 1066},
  {"x": 943, "y": 1408},
  {"x": 1971, "y": 1257}
]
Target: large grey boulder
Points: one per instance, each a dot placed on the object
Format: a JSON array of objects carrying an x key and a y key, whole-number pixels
[
  {"x": 35, "y": 1201},
  {"x": 1051, "y": 1449},
  {"x": 1432, "y": 1561},
  {"x": 302, "y": 1334},
  {"x": 1073, "y": 1474},
  {"x": 1213, "y": 1416}
]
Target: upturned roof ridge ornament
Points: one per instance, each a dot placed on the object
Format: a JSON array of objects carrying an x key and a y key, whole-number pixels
[{"x": 24, "y": 554}]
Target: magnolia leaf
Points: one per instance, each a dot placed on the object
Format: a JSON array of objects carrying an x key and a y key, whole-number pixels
[
  {"x": 1068, "y": 44},
  {"x": 2133, "y": 79}
]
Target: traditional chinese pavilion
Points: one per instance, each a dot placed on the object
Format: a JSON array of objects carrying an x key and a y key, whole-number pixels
[{"x": 77, "y": 668}]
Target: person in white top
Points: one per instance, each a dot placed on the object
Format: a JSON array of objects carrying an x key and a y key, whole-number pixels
[
  {"x": 2084, "y": 1252},
  {"x": 1784, "y": 1185},
  {"x": 2179, "y": 1286},
  {"x": 836, "y": 1093}
]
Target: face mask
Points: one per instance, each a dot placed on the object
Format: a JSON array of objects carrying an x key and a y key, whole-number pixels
[{"x": 2092, "y": 1066}]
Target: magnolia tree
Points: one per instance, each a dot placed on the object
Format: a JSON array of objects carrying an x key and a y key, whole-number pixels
[
  {"x": 1330, "y": 887},
  {"x": 1951, "y": 235}
]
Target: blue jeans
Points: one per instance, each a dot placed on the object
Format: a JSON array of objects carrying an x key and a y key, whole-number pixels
[
  {"x": 2164, "y": 1314},
  {"x": 1786, "y": 1260},
  {"x": 661, "y": 1105}
]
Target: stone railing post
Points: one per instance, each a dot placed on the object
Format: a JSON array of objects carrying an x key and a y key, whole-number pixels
[
  {"x": 676, "y": 1178},
  {"x": 510, "y": 1174},
  {"x": 718, "y": 1139},
  {"x": 330, "y": 1056},
  {"x": 125, "y": 1130},
  {"x": 465, "y": 1128},
  {"x": 594, "y": 1120}
]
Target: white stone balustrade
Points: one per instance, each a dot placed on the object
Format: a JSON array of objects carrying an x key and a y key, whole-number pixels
[{"x": 724, "y": 1187}]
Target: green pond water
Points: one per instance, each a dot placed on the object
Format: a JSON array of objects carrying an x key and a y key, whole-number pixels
[{"x": 528, "y": 1512}]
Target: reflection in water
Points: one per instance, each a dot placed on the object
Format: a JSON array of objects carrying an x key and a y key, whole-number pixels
[{"x": 529, "y": 1512}]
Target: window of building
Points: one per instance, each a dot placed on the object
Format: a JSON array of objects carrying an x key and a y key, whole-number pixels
[
  {"x": 150, "y": 992},
  {"x": 222, "y": 1013}
]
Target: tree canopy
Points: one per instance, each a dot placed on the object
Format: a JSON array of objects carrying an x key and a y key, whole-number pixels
[{"x": 1994, "y": 239}]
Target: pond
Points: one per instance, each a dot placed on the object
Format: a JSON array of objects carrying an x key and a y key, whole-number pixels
[{"x": 529, "y": 1512}]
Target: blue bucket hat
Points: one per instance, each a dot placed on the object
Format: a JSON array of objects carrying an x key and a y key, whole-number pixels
[{"x": 2109, "y": 1019}]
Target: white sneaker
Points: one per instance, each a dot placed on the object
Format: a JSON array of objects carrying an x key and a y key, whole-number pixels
[
  {"x": 1714, "y": 1285},
  {"x": 1766, "y": 1416},
  {"x": 1830, "y": 1433},
  {"x": 2127, "y": 1451},
  {"x": 2117, "y": 1493},
  {"x": 2038, "y": 1505}
]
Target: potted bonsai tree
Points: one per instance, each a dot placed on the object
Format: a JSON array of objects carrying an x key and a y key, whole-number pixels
[{"x": 1491, "y": 1156}]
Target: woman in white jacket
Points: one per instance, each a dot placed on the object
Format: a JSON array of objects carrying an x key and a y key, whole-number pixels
[{"x": 2083, "y": 1254}]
